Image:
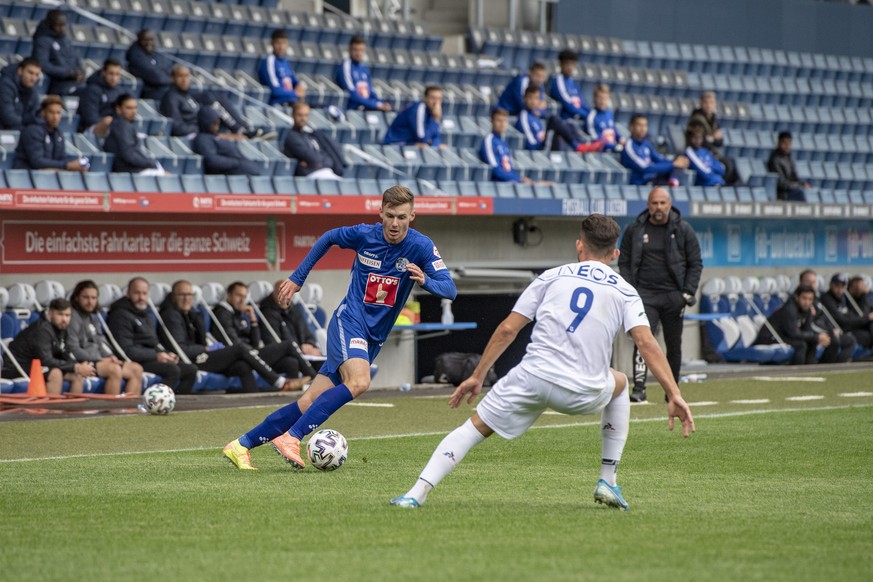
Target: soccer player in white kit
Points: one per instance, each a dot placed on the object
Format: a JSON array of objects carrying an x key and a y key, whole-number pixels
[{"x": 578, "y": 309}]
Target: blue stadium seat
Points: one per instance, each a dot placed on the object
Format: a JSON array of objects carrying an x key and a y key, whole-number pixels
[
  {"x": 43, "y": 180},
  {"x": 193, "y": 183},
  {"x": 19, "y": 179}
]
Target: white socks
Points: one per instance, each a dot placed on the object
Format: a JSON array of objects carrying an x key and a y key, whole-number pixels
[
  {"x": 614, "y": 423},
  {"x": 449, "y": 453}
]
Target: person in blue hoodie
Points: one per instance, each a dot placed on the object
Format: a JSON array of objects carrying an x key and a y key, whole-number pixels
[
  {"x": 19, "y": 100},
  {"x": 418, "y": 124},
  {"x": 150, "y": 66},
  {"x": 600, "y": 123},
  {"x": 646, "y": 165},
  {"x": 41, "y": 146},
  {"x": 220, "y": 156},
  {"x": 564, "y": 90},
  {"x": 276, "y": 73},
  {"x": 710, "y": 171},
  {"x": 96, "y": 103},
  {"x": 540, "y": 134},
  {"x": 512, "y": 98},
  {"x": 496, "y": 153},
  {"x": 57, "y": 56},
  {"x": 353, "y": 76}
]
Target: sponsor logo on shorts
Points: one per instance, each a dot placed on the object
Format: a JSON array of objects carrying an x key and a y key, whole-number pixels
[
  {"x": 381, "y": 290},
  {"x": 375, "y": 263},
  {"x": 357, "y": 343},
  {"x": 438, "y": 265},
  {"x": 401, "y": 263}
]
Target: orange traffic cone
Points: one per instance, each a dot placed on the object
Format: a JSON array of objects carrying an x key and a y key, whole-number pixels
[{"x": 36, "y": 386}]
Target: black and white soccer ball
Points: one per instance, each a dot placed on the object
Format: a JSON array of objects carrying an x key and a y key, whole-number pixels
[
  {"x": 327, "y": 450},
  {"x": 159, "y": 399}
]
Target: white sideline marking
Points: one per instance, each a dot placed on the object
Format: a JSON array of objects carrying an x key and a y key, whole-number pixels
[
  {"x": 703, "y": 403},
  {"x": 855, "y": 394},
  {"x": 554, "y": 412},
  {"x": 217, "y": 448},
  {"x": 789, "y": 378},
  {"x": 807, "y": 397},
  {"x": 752, "y": 401},
  {"x": 371, "y": 404}
]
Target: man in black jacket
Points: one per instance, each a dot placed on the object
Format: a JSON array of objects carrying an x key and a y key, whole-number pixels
[
  {"x": 124, "y": 143},
  {"x": 149, "y": 65},
  {"x": 41, "y": 146},
  {"x": 241, "y": 327},
  {"x": 19, "y": 100},
  {"x": 220, "y": 156},
  {"x": 188, "y": 329},
  {"x": 46, "y": 340},
  {"x": 790, "y": 186},
  {"x": 793, "y": 323},
  {"x": 859, "y": 291},
  {"x": 135, "y": 333},
  {"x": 97, "y": 100},
  {"x": 57, "y": 56},
  {"x": 317, "y": 155},
  {"x": 288, "y": 323},
  {"x": 843, "y": 342},
  {"x": 660, "y": 257},
  {"x": 837, "y": 303}
]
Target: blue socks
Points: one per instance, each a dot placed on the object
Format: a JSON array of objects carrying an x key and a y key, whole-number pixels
[
  {"x": 329, "y": 402},
  {"x": 274, "y": 425}
]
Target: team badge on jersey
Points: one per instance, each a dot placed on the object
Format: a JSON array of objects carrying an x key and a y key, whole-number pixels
[
  {"x": 401, "y": 263},
  {"x": 381, "y": 290}
]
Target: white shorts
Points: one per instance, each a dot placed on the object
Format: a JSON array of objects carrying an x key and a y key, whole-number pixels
[{"x": 519, "y": 398}]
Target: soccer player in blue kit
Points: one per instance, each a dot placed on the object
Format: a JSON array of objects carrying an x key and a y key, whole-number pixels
[{"x": 391, "y": 259}]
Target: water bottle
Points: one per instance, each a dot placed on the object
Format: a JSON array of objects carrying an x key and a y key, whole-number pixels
[
  {"x": 693, "y": 378},
  {"x": 448, "y": 317}
]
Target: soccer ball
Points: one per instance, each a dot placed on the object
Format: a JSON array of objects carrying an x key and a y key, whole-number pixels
[
  {"x": 159, "y": 399},
  {"x": 327, "y": 450}
]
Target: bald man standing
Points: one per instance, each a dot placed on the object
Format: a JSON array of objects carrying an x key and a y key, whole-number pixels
[{"x": 660, "y": 256}]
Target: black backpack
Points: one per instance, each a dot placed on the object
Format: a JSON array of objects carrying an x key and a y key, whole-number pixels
[{"x": 455, "y": 367}]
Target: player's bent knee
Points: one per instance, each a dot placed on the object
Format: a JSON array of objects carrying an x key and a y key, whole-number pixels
[{"x": 357, "y": 387}]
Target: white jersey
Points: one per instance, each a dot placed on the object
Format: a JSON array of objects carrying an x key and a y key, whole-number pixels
[{"x": 578, "y": 309}]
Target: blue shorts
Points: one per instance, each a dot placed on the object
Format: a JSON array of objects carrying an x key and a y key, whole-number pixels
[{"x": 346, "y": 338}]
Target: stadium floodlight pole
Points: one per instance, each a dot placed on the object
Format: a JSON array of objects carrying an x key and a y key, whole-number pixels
[
  {"x": 4, "y": 349},
  {"x": 108, "y": 333},
  {"x": 173, "y": 343}
]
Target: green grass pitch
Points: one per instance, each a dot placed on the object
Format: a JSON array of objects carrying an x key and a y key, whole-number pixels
[{"x": 775, "y": 490}]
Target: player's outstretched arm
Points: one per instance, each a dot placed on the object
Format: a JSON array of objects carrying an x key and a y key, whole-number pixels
[
  {"x": 657, "y": 363},
  {"x": 502, "y": 337}
]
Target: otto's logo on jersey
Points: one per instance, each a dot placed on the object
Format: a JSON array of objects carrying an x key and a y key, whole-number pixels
[
  {"x": 381, "y": 290},
  {"x": 375, "y": 263},
  {"x": 363, "y": 89},
  {"x": 506, "y": 163},
  {"x": 401, "y": 263},
  {"x": 577, "y": 102},
  {"x": 608, "y": 135}
]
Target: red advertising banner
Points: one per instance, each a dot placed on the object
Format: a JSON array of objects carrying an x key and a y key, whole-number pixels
[{"x": 37, "y": 245}]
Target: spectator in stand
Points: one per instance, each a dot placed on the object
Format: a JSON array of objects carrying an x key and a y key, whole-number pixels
[
  {"x": 57, "y": 56},
  {"x": 148, "y": 65},
  {"x": 790, "y": 186},
  {"x": 276, "y": 73},
  {"x": 843, "y": 342},
  {"x": 181, "y": 105},
  {"x": 563, "y": 89},
  {"x": 496, "y": 153},
  {"x": 97, "y": 99},
  {"x": 41, "y": 146},
  {"x": 288, "y": 323},
  {"x": 353, "y": 76},
  {"x": 647, "y": 166},
  {"x": 88, "y": 344},
  {"x": 710, "y": 172},
  {"x": 124, "y": 143},
  {"x": 188, "y": 330},
  {"x": 512, "y": 98},
  {"x": 838, "y": 304},
  {"x": 220, "y": 156},
  {"x": 46, "y": 340},
  {"x": 318, "y": 156},
  {"x": 540, "y": 135},
  {"x": 134, "y": 331},
  {"x": 600, "y": 123},
  {"x": 19, "y": 100},
  {"x": 793, "y": 323},
  {"x": 241, "y": 326},
  {"x": 859, "y": 292},
  {"x": 712, "y": 137},
  {"x": 419, "y": 124}
]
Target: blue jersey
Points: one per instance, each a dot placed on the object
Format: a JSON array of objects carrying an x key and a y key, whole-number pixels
[
  {"x": 512, "y": 98},
  {"x": 564, "y": 90},
  {"x": 710, "y": 172},
  {"x": 496, "y": 153},
  {"x": 379, "y": 282},
  {"x": 276, "y": 72},
  {"x": 533, "y": 130},
  {"x": 354, "y": 78},
  {"x": 413, "y": 125},
  {"x": 601, "y": 125},
  {"x": 644, "y": 162}
]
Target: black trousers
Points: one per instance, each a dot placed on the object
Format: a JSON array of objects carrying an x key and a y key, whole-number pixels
[
  {"x": 180, "y": 377},
  {"x": 284, "y": 358},
  {"x": 568, "y": 133},
  {"x": 840, "y": 349},
  {"x": 663, "y": 310},
  {"x": 239, "y": 361}
]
